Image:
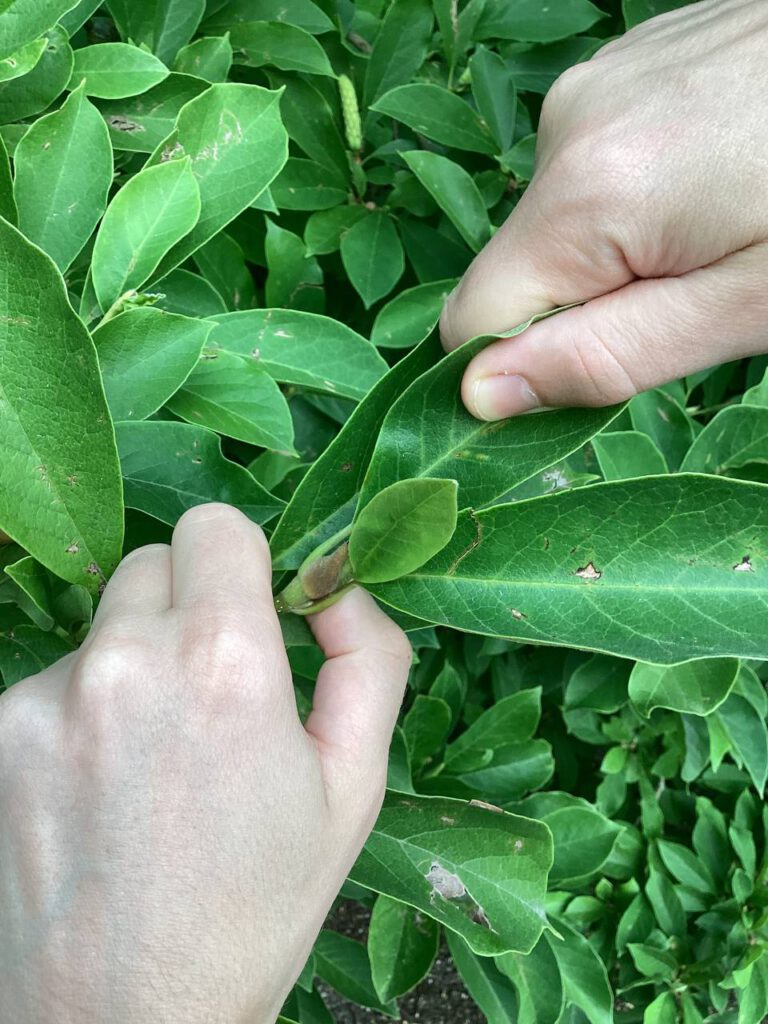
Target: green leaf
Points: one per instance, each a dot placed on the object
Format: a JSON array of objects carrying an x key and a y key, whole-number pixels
[
  {"x": 169, "y": 467},
  {"x": 587, "y": 554},
  {"x": 694, "y": 687},
  {"x": 636, "y": 11},
  {"x": 293, "y": 279},
  {"x": 27, "y": 650},
  {"x": 583, "y": 841},
  {"x": 59, "y": 477},
  {"x": 238, "y": 399},
  {"x": 63, "y": 176},
  {"x": 402, "y": 945},
  {"x": 636, "y": 923},
  {"x": 599, "y": 684},
  {"x": 534, "y": 22},
  {"x": 325, "y": 499},
  {"x": 425, "y": 728},
  {"x": 735, "y": 437},
  {"x": 7, "y": 203},
  {"x": 306, "y": 185},
  {"x": 662, "y": 1010},
  {"x": 452, "y": 861},
  {"x": 665, "y": 902},
  {"x": 222, "y": 261},
  {"x": 326, "y": 228},
  {"x": 626, "y": 454},
  {"x": 408, "y": 318},
  {"x": 433, "y": 254},
  {"x": 510, "y": 771},
  {"x": 491, "y": 990},
  {"x": 746, "y": 731},
  {"x": 140, "y": 123},
  {"x": 113, "y": 71},
  {"x": 512, "y": 719},
  {"x": 520, "y": 160},
  {"x": 373, "y": 257},
  {"x": 456, "y": 194},
  {"x": 23, "y": 61},
  {"x": 209, "y": 58},
  {"x": 657, "y": 414},
  {"x": 753, "y": 1005},
  {"x": 36, "y": 91},
  {"x": 438, "y": 114},
  {"x": 237, "y": 144},
  {"x": 145, "y": 356},
  {"x": 304, "y": 13},
  {"x": 401, "y": 528},
  {"x": 284, "y": 46},
  {"x": 311, "y": 122},
  {"x": 583, "y": 973},
  {"x": 53, "y": 602},
  {"x": 400, "y": 47},
  {"x": 493, "y": 88},
  {"x": 162, "y": 25},
  {"x": 147, "y": 217},
  {"x": 536, "y": 978},
  {"x": 24, "y": 20},
  {"x": 78, "y": 15},
  {"x": 344, "y": 965},
  {"x": 686, "y": 867},
  {"x": 189, "y": 295},
  {"x": 652, "y": 962},
  {"x": 428, "y": 432},
  {"x": 299, "y": 348}
]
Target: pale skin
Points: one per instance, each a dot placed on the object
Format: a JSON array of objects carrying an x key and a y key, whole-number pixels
[{"x": 171, "y": 835}]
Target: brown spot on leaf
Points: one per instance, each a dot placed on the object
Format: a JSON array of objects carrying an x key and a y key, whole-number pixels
[
  {"x": 123, "y": 124},
  {"x": 346, "y": 467},
  {"x": 475, "y": 543},
  {"x": 588, "y": 572},
  {"x": 486, "y": 806}
]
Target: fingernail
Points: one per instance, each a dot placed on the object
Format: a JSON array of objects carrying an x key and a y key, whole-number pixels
[{"x": 496, "y": 398}]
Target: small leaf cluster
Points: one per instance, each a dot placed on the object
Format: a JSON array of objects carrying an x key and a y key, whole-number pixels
[{"x": 227, "y": 229}]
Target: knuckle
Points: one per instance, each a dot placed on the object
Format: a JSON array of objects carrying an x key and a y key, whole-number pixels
[
  {"x": 220, "y": 651},
  {"x": 605, "y": 377},
  {"x": 563, "y": 91},
  {"x": 106, "y": 665}
]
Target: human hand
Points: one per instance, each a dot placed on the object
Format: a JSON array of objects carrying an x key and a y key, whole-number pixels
[
  {"x": 650, "y": 200},
  {"x": 171, "y": 836}
]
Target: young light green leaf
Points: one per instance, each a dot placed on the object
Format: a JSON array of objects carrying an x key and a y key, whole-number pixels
[
  {"x": 438, "y": 114},
  {"x": 113, "y": 71},
  {"x": 25, "y": 20},
  {"x": 60, "y": 491},
  {"x": 680, "y": 597},
  {"x": 162, "y": 25},
  {"x": 238, "y": 399},
  {"x": 480, "y": 872},
  {"x": 652, "y": 962},
  {"x": 536, "y": 978},
  {"x": 735, "y": 437},
  {"x": 493, "y": 88},
  {"x": 694, "y": 687},
  {"x": 686, "y": 867},
  {"x": 343, "y": 963},
  {"x": 373, "y": 257},
  {"x": 302, "y": 348},
  {"x": 583, "y": 973},
  {"x": 456, "y": 194},
  {"x": 169, "y": 467},
  {"x": 408, "y": 318},
  {"x": 145, "y": 356},
  {"x": 285, "y": 46},
  {"x": 237, "y": 144},
  {"x": 140, "y": 123},
  {"x": 147, "y": 217},
  {"x": 23, "y": 61},
  {"x": 400, "y": 47},
  {"x": 510, "y": 771},
  {"x": 325, "y": 499},
  {"x": 209, "y": 58},
  {"x": 534, "y": 22},
  {"x": 401, "y": 528},
  {"x": 490, "y": 989},
  {"x": 625, "y": 454},
  {"x": 402, "y": 945},
  {"x": 63, "y": 176},
  {"x": 22, "y": 97}
]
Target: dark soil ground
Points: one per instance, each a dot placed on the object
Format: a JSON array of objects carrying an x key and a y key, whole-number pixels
[{"x": 440, "y": 999}]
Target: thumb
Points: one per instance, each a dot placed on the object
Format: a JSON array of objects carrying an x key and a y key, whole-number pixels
[
  {"x": 639, "y": 336},
  {"x": 360, "y": 687}
]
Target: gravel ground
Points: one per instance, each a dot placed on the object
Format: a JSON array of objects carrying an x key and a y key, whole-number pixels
[{"x": 440, "y": 999}]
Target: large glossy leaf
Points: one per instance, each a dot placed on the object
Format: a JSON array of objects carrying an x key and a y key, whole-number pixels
[
  {"x": 147, "y": 217},
  {"x": 402, "y": 944},
  {"x": 648, "y": 569},
  {"x": 60, "y": 493},
  {"x": 145, "y": 357},
  {"x": 373, "y": 257},
  {"x": 400, "y": 47},
  {"x": 734, "y": 438},
  {"x": 285, "y": 46},
  {"x": 36, "y": 91},
  {"x": 438, "y": 114},
  {"x": 410, "y": 316},
  {"x": 238, "y": 399},
  {"x": 237, "y": 143},
  {"x": 695, "y": 688},
  {"x": 209, "y": 58},
  {"x": 169, "y": 467},
  {"x": 455, "y": 192},
  {"x": 428, "y": 432},
  {"x": 302, "y": 348},
  {"x": 482, "y": 873},
  {"x": 325, "y": 499},
  {"x": 401, "y": 528},
  {"x": 25, "y": 20},
  {"x": 113, "y": 71},
  {"x": 162, "y": 25},
  {"x": 63, "y": 176},
  {"x": 535, "y": 22}
]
